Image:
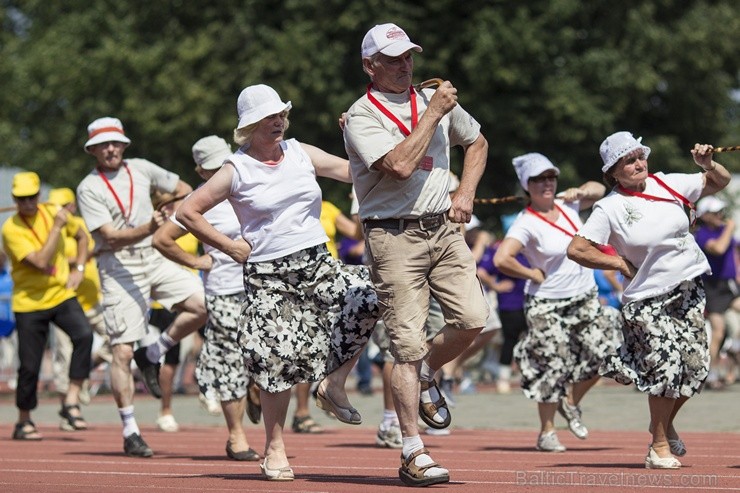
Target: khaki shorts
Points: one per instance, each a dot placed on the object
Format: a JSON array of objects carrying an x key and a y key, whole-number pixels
[
  {"x": 407, "y": 267},
  {"x": 130, "y": 278}
]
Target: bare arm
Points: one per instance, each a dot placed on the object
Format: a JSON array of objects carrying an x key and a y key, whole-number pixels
[
  {"x": 119, "y": 238},
  {"x": 40, "y": 258},
  {"x": 190, "y": 214},
  {"x": 719, "y": 245},
  {"x": 505, "y": 261},
  {"x": 348, "y": 228},
  {"x": 328, "y": 165},
  {"x": 588, "y": 255},
  {"x": 716, "y": 177},
  {"x": 587, "y": 194},
  {"x": 164, "y": 240},
  {"x": 76, "y": 276},
  {"x": 474, "y": 164},
  {"x": 402, "y": 161}
]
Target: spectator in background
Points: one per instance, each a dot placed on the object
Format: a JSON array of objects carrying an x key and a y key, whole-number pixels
[
  {"x": 115, "y": 202},
  {"x": 715, "y": 237},
  {"x": 44, "y": 292}
]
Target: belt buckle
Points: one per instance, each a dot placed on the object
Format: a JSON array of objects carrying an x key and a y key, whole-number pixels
[{"x": 430, "y": 222}]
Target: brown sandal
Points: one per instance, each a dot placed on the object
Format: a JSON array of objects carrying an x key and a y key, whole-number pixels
[
  {"x": 427, "y": 410},
  {"x": 413, "y": 475}
]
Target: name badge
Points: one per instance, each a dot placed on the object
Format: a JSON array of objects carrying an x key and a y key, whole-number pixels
[{"x": 427, "y": 163}]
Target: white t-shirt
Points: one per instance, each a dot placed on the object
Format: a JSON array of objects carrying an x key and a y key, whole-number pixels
[
  {"x": 545, "y": 248},
  {"x": 369, "y": 135},
  {"x": 653, "y": 235},
  {"x": 98, "y": 205},
  {"x": 226, "y": 276},
  {"x": 279, "y": 205}
]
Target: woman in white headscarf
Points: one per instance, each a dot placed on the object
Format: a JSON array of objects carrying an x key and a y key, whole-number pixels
[
  {"x": 569, "y": 331},
  {"x": 646, "y": 218}
]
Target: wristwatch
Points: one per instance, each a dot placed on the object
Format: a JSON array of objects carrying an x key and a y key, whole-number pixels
[{"x": 80, "y": 267}]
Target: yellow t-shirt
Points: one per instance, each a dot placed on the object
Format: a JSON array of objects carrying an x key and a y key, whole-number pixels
[
  {"x": 329, "y": 214},
  {"x": 88, "y": 292},
  {"x": 35, "y": 290},
  {"x": 188, "y": 243}
]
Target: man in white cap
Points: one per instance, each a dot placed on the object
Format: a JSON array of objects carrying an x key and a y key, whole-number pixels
[
  {"x": 715, "y": 236},
  {"x": 114, "y": 199},
  {"x": 398, "y": 141}
]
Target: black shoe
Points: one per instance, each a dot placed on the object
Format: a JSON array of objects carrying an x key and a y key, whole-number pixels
[
  {"x": 135, "y": 446},
  {"x": 150, "y": 372}
]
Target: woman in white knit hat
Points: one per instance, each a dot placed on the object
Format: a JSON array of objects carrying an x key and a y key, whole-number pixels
[
  {"x": 646, "y": 218},
  {"x": 569, "y": 331},
  {"x": 306, "y": 316}
]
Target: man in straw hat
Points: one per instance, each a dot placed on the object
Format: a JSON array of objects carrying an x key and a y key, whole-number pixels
[
  {"x": 115, "y": 202},
  {"x": 398, "y": 142},
  {"x": 44, "y": 292}
]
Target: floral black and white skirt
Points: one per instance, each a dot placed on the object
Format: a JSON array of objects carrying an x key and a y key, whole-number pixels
[
  {"x": 304, "y": 316},
  {"x": 666, "y": 347},
  {"x": 220, "y": 370},
  {"x": 566, "y": 342}
]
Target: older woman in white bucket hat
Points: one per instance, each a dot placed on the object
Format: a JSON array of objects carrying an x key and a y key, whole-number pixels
[
  {"x": 569, "y": 331},
  {"x": 646, "y": 218},
  {"x": 306, "y": 316}
]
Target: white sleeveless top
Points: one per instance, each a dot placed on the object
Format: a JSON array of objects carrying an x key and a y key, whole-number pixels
[{"x": 279, "y": 205}]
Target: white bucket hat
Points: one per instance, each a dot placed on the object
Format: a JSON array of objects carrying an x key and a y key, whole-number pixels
[
  {"x": 532, "y": 164},
  {"x": 388, "y": 39},
  {"x": 257, "y": 102},
  {"x": 709, "y": 204},
  {"x": 105, "y": 129},
  {"x": 210, "y": 152},
  {"x": 618, "y": 145}
]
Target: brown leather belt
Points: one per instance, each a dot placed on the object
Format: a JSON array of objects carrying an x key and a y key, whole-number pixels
[{"x": 425, "y": 223}]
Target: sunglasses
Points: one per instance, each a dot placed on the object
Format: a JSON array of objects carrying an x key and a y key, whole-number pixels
[
  {"x": 28, "y": 198},
  {"x": 543, "y": 178}
]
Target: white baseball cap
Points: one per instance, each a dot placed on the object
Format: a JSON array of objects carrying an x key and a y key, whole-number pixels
[
  {"x": 532, "y": 164},
  {"x": 210, "y": 152},
  {"x": 105, "y": 129},
  {"x": 709, "y": 204},
  {"x": 388, "y": 39},
  {"x": 618, "y": 145},
  {"x": 257, "y": 102}
]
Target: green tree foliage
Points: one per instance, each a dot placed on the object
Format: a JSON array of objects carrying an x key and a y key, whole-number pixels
[{"x": 554, "y": 76}]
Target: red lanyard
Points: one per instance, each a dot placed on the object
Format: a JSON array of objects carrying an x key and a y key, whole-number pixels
[
  {"x": 537, "y": 214},
  {"x": 46, "y": 225},
  {"x": 115, "y": 195},
  {"x": 391, "y": 116},
  {"x": 684, "y": 200}
]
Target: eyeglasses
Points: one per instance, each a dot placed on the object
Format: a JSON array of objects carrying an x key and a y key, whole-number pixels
[{"x": 543, "y": 178}]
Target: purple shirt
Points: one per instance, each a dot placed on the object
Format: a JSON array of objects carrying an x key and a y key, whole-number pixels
[
  {"x": 514, "y": 299},
  {"x": 723, "y": 266}
]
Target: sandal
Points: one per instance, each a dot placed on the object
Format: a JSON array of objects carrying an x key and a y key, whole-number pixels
[
  {"x": 250, "y": 454},
  {"x": 254, "y": 407},
  {"x": 348, "y": 415},
  {"x": 69, "y": 422},
  {"x": 413, "y": 475},
  {"x": 306, "y": 424},
  {"x": 427, "y": 410},
  {"x": 26, "y": 430}
]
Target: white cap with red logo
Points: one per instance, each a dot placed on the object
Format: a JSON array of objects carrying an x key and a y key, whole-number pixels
[{"x": 388, "y": 39}]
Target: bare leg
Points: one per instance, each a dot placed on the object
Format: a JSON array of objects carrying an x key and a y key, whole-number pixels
[
  {"x": 121, "y": 380},
  {"x": 405, "y": 388},
  {"x": 387, "y": 390},
  {"x": 333, "y": 385},
  {"x": 579, "y": 390},
  {"x": 274, "y": 411},
  {"x": 302, "y": 393},
  {"x": 191, "y": 315},
  {"x": 546, "y": 411},
  {"x": 661, "y": 417},
  {"x": 166, "y": 380},
  {"x": 448, "y": 344},
  {"x": 717, "y": 321},
  {"x": 234, "y": 415}
]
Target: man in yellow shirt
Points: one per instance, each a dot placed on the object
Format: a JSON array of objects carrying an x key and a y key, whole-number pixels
[{"x": 44, "y": 292}]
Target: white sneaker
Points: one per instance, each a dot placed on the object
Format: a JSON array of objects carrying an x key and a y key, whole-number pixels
[
  {"x": 212, "y": 406},
  {"x": 389, "y": 437},
  {"x": 167, "y": 423},
  {"x": 503, "y": 386},
  {"x": 548, "y": 442},
  {"x": 573, "y": 415}
]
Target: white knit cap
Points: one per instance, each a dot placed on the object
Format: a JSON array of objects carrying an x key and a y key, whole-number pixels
[
  {"x": 257, "y": 102},
  {"x": 388, "y": 39},
  {"x": 618, "y": 145},
  {"x": 210, "y": 152},
  {"x": 532, "y": 164},
  {"x": 105, "y": 129},
  {"x": 709, "y": 204}
]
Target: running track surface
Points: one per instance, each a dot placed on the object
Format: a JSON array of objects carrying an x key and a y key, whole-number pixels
[{"x": 345, "y": 459}]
